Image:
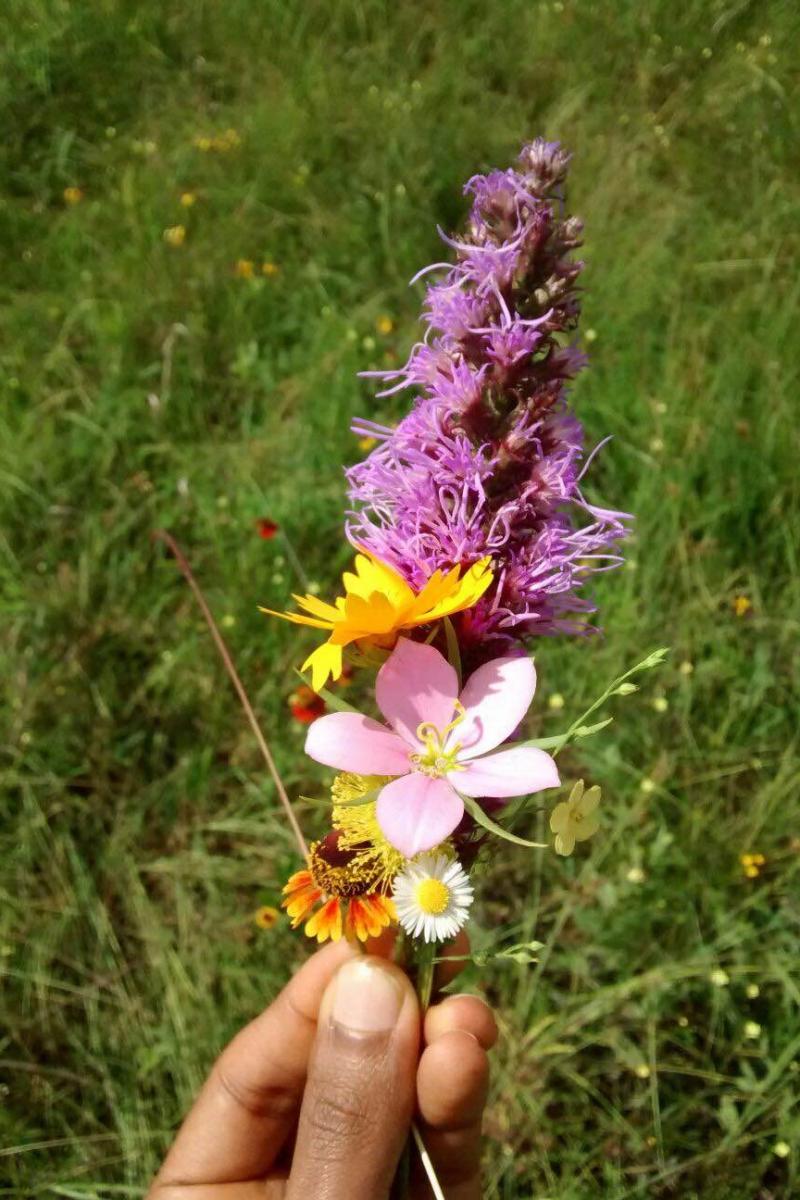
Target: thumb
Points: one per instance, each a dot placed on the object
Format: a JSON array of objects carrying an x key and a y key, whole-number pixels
[{"x": 360, "y": 1094}]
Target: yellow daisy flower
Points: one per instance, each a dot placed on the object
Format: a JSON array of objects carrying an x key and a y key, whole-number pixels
[
  {"x": 378, "y": 605},
  {"x": 266, "y": 917},
  {"x": 575, "y": 819}
]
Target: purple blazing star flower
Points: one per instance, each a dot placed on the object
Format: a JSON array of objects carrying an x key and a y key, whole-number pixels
[{"x": 490, "y": 458}]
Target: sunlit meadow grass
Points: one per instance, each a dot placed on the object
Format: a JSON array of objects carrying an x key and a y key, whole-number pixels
[{"x": 149, "y": 380}]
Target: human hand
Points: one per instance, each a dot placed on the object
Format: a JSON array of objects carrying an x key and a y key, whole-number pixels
[{"x": 313, "y": 1100}]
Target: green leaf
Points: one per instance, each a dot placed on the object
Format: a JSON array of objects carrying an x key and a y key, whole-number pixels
[
  {"x": 549, "y": 743},
  {"x": 477, "y": 813},
  {"x": 536, "y": 743},
  {"x": 587, "y": 730},
  {"x": 332, "y": 701},
  {"x": 453, "y": 652},
  {"x": 368, "y": 798}
]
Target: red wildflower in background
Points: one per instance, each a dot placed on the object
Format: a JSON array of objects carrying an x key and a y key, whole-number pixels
[
  {"x": 305, "y": 705},
  {"x": 266, "y": 528}
]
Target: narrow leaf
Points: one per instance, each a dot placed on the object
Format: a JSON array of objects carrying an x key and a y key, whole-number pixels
[
  {"x": 477, "y": 813},
  {"x": 453, "y": 652},
  {"x": 334, "y": 702},
  {"x": 368, "y": 798},
  {"x": 588, "y": 730}
]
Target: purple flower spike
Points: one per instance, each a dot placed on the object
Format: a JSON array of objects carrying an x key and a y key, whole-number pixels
[{"x": 490, "y": 458}]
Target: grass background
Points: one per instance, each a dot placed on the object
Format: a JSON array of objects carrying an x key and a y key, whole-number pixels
[{"x": 139, "y": 831}]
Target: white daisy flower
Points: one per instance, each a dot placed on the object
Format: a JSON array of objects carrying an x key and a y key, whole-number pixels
[{"x": 432, "y": 897}]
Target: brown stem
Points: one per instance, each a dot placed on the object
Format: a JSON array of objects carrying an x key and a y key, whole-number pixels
[{"x": 162, "y": 535}]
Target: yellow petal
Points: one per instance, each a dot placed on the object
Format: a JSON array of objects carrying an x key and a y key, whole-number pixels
[
  {"x": 374, "y": 614},
  {"x": 584, "y": 829},
  {"x": 463, "y": 594},
  {"x": 312, "y": 604},
  {"x": 372, "y": 575},
  {"x": 589, "y": 801},
  {"x": 564, "y": 843},
  {"x": 438, "y": 587},
  {"x": 324, "y": 662},
  {"x": 296, "y": 618},
  {"x": 560, "y": 817},
  {"x": 576, "y": 793}
]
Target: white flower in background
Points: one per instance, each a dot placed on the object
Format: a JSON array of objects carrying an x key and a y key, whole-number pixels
[{"x": 432, "y": 897}]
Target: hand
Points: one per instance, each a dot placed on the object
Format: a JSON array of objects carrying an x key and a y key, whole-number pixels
[{"x": 314, "y": 1099}]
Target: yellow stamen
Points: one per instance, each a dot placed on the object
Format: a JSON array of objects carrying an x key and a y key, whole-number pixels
[
  {"x": 432, "y": 896},
  {"x": 435, "y": 759}
]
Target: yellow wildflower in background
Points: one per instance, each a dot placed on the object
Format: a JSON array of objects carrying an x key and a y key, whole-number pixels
[
  {"x": 175, "y": 235},
  {"x": 269, "y": 268},
  {"x": 384, "y": 325},
  {"x": 222, "y": 142},
  {"x": 266, "y": 917},
  {"x": 378, "y": 605},
  {"x": 72, "y": 195},
  {"x": 188, "y": 199},
  {"x": 575, "y": 819},
  {"x": 742, "y": 605},
  {"x": 752, "y": 864},
  {"x": 366, "y": 443},
  {"x": 244, "y": 268}
]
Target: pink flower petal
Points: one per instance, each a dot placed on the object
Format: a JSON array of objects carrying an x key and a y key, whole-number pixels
[
  {"x": 351, "y": 742},
  {"x": 416, "y": 684},
  {"x": 496, "y": 698},
  {"x": 514, "y": 772},
  {"x": 417, "y": 812}
]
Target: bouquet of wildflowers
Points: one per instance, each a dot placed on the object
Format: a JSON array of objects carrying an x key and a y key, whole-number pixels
[{"x": 472, "y": 538}]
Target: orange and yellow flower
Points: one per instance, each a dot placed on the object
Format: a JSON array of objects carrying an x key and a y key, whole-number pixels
[
  {"x": 378, "y": 605},
  {"x": 331, "y": 917},
  {"x": 337, "y": 894}
]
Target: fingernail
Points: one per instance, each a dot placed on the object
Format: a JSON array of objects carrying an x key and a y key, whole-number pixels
[{"x": 367, "y": 998}]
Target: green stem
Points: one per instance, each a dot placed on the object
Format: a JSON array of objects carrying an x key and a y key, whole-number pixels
[{"x": 418, "y": 960}]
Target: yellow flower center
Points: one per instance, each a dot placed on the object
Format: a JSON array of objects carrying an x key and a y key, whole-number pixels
[
  {"x": 435, "y": 760},
  {"x": 432, "y": 896}
]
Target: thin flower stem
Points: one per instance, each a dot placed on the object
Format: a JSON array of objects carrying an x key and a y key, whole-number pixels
[
  {"x": 436, "y": 1187},
  {"x": 162, "y": 535}
]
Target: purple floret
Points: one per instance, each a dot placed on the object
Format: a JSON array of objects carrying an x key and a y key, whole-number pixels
[{"x": 490, "y": 458}]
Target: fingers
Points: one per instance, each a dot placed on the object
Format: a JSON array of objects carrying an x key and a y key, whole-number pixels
[
  {"x": 468, "y": 1013},
  {"x": 249, "y": 1103},
  {"x": 359, "y": 1097},
  {"x": 452, "y": 1082}
]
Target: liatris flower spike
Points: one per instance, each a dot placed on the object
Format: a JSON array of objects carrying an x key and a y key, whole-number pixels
[{"x": 490, "y": 460}]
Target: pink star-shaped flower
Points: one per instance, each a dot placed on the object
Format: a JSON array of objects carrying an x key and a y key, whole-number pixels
[{"x": 437, "y": 743}]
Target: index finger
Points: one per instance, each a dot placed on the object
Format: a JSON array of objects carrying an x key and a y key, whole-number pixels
[{"x": 249, "y": 1103}]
